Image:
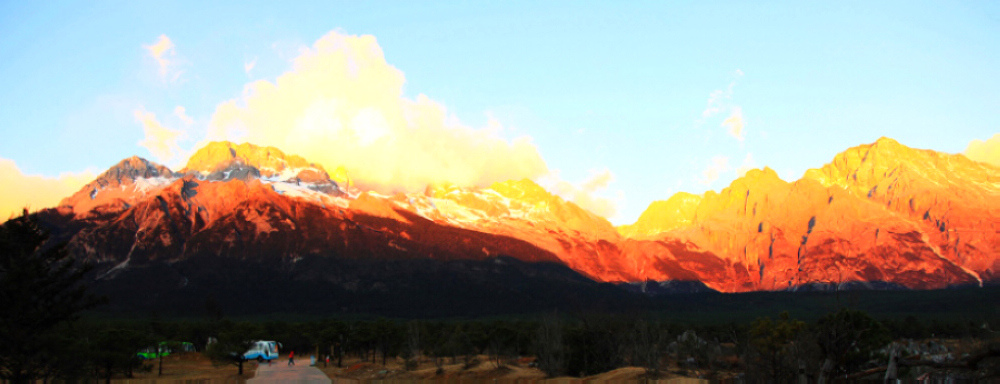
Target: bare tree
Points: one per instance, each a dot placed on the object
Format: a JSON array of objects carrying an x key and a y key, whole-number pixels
[
  {"x": 549, "y": 346},
  {"x": 501, "y": 338},
  {"x": 846, "y": 339},
  {"x": 648, "y": 345},
  {"x": 412, "y": 349},
  {"x": 771, "y": 356}
]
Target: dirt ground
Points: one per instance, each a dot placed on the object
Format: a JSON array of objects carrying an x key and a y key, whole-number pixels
[
  {"x": 480, "y": 370},
  {"x": 193, "y": 368},
  {"x": 190, "y": 368}
]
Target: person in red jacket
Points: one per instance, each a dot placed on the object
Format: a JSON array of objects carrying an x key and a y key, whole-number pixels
[{"x": 291, "y": 358}]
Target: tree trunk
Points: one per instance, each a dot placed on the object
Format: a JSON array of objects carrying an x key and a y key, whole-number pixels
[
  {"x": 824, "y": 371},
  {"x": 891, "y": 372},
  {"x": 160, "y": 371},
  {"x": 802, "y": 373},
  {"x": 241, "y": 367}
]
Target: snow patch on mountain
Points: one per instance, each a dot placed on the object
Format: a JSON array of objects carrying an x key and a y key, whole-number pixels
[
  {"x": 303, "y": 191},
  {"x": 147, "y": 185},
  {"x": 282, "y": 175}
]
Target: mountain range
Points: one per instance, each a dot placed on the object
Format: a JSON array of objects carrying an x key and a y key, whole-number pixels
[{"x": 250, "y": 224}]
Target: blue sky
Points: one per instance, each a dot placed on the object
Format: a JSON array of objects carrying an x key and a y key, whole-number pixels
[{"x": 624, "y": 102}]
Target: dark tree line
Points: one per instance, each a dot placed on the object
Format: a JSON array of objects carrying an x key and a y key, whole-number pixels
[
  {"x": 43, "y": 295},
  {"x": 772, "y": 350}
]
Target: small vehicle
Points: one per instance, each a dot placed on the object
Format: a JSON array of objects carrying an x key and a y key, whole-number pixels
[
  {"x": 262, "y": 350},
  {"x": 163, "y": 349}
]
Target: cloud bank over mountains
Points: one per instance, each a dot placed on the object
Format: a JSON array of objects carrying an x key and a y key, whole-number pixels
[
  {"x": 985, "y": 151},
  {"x": 342, "y": 104},
  {"x": 35, "y": 192}
]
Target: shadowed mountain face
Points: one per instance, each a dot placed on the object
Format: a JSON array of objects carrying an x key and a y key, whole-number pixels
[{"x": 242, "y": 218}]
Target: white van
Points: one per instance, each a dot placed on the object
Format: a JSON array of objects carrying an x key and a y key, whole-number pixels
[{"x": 262, "y": 350}]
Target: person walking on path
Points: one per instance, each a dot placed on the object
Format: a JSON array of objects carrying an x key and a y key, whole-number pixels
[{"x": 291, "y": 358}]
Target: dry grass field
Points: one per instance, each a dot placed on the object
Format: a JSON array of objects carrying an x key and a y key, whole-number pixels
[
  {"x": 189, "y": 368},
  {"x": 480, "y": 370}
]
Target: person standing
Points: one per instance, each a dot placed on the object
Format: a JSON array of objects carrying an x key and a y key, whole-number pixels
[{"x": 291, "y": 358}]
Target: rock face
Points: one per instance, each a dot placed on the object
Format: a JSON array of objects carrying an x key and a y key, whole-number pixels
[
  {"x": 880, "y": 213},
  {"x": 664, "y": 215},
  {"x": 222, "y": 161},
  {"x": 118, "y": 188},
  {"x": 951, "y": 199},
  {"x": 270, "y": 162}
]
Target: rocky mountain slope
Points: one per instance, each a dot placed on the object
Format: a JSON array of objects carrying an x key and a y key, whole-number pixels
[{"x": 880, "y": 213}]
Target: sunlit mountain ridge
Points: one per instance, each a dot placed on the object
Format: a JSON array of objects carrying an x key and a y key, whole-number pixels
[
  {"x": 877, "y": 212},
  {"x": 880, "y": 212}
]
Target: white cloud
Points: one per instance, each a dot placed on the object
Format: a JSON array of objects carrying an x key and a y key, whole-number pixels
[
  {"x": 160, "y": 141},
  {"x": 718, "y": 165},
  {"x": 716, "y": 101},
  {"x": 342, "y": 104},
  {"x": 181, "y": 114},
  {"x": 790, "y": 175},
  {"x": 747, "y": 164},
  {"x": 35, "y": 192},
  {"x": 587, "y": 193},
  {"x": 248, "y": 66},
  {"x": 985, "y": 151},
  {"x": 163, "y": 52},
  {"x": 735, "y": 123},
  {"x": 721, "y": 100}
]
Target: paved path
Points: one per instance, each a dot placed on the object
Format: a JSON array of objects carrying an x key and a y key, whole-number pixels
[{"x": 280, "y": 372}]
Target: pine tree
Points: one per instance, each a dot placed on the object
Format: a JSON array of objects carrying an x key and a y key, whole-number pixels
[
  {"x": 41, "y": 289},
  {"x": 233, "y": 340}
]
